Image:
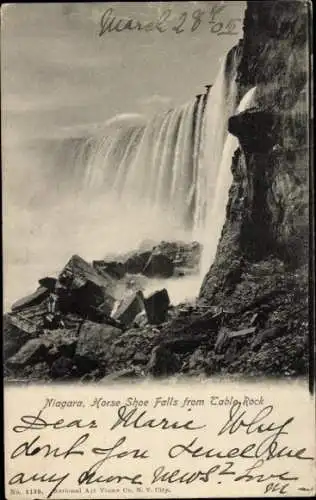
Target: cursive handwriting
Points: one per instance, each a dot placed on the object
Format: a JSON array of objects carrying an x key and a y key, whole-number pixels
[
  {"x": 110, "y": 22},
  {"x": 134, "y": 418},
  {"x": 269, "y": 447},
  {"x": 29, "y": 449},
  {"x": 264, "y": 437},
  {"x": 22, "y": 478},
  {"x": 36, "y": 422},
  {"x": 178, "y": 476},
  {"x": 90, "y": 476},
  {"x": 113, "y": 452},
  {"x": 282, "y": 478}
]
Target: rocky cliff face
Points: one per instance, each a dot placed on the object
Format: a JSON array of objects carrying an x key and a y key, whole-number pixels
[{"x": 264, "y": 243}]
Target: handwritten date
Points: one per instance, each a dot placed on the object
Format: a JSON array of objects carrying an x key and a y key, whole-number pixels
[{"x": 217, "y": 25}]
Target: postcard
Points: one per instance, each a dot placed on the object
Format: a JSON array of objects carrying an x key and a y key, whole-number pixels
[{"x": 158, "y": 324}]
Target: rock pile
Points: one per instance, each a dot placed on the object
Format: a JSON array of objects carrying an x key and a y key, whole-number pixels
[{"x": 90, "y": 321}]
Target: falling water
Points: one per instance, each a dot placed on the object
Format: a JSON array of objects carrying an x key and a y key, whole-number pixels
[
  {"x": 169, "y": 166},
  {"x": 174, "y": 169},
  {"x": 167, "y": 178},
  {"x": 217, "y": 206},
  {"x": 153, "y": 164}
]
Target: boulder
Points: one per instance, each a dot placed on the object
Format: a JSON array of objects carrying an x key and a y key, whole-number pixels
[
  {"x": 93, "y": 345},
  {"x": 31, "y": 300},
  {"x": 182, "y": 254},
  {"x": 63, "y": 343},
  {"x": 156, "y": 306},
  {"x": 34, "y": 351},
  {"x": 113, "y": 268},
  {"x": 163, "y": 362},
  {"x": 48, "y": 282},
  {"x": 91, "y": 301},
  {"x": 129, "y": 307},
  {"x": 13, "y": 337},
  {"x": 256, "y": 130},
  {"x": 82, "y": 290},
  {"x": 158, "y": 266},
  {"x": 135, "y": 263},
  {"x": 78, "y": 268}
]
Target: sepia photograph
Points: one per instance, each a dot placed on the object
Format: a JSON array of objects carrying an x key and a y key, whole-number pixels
[
  {"x": 156, "y": 190},
  {"x": 158, "y": 324}
]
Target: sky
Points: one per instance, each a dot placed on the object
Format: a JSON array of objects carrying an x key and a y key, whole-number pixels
[{"x": 60, "y": 79}]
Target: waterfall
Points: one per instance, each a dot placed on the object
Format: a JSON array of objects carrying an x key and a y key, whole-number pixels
[
  {"x": 220, "y": 189},
  {"x": 134, "y": 179},
  {"x": 168, "y": 166},
  {"x": 153, "y": 163},
  {"x": 174, "y": 169}
]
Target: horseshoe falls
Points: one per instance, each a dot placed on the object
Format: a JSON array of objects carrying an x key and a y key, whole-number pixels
[
  {"x": 153, "y": 166},
  {"x": 166, "y": 178},
  {"x": 165, "y": 170}
]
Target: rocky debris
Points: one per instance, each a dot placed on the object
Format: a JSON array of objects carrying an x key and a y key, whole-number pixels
[
  {"x": 140, "y": 358},
  {"x": 242, "y": 333},
  {"x": 221, "y": 340},
  {"x": 129, "y": 307},
  {"x": 186, "y": 343},
  {"x": 81, "y": 289},
  {"x": 31, "y": 300},
  {"x": 63, "y": 343},
  {"x": 62, "y": 368},
  {"x": 78, "y": 271},
  {"x": 92, "y": 376},
  {"x": 132, "y": 348},
  {"x": 126, "y": 373},
  {"x": 13, "y": 336},
  {"x": 225, "y": 336},
  {"x": 162, "y": 260},
  {"x": 32, "y": 352},
  {"x": 183, "y": 255},
  {"x": 53, "y": 321},
  {"x": 30, "y": 319},
  {"x": 198, "y": 361},
  {"x": 258, "y": 319},
  {"x": 40, "y": 372},
  {"x": 93, "y": 345},
  {"x": 141, "y": 319},
  {"x": 198, "y": 322},
  {"x": 268, "y": 335},
  {"x": 163, "y": 362},
  {"x": 156, "y": 306}
]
